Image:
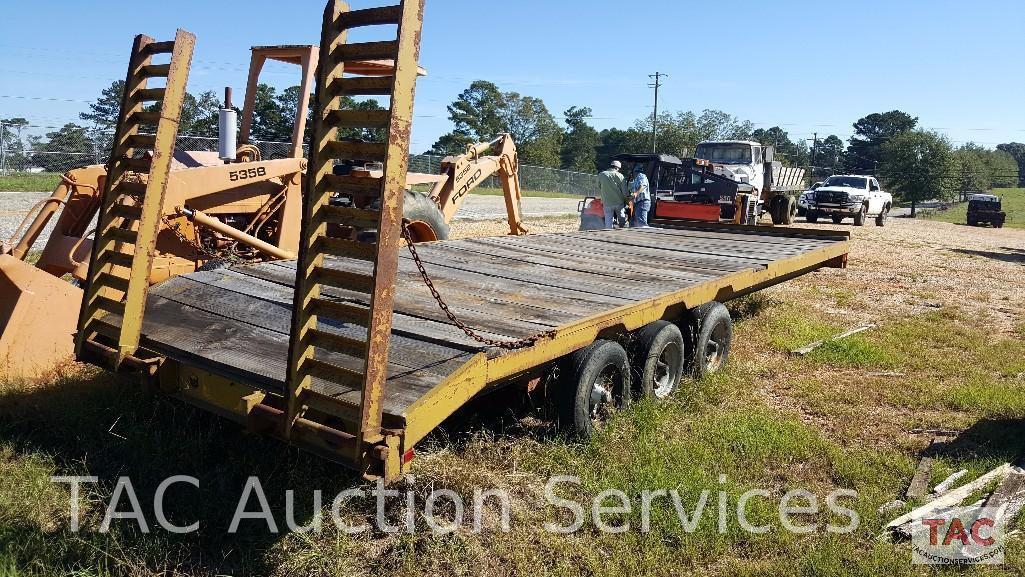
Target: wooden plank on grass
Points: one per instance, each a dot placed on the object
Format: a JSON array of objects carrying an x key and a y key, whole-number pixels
[
  {"x": 1008, "y": 499},
  {"x": 952, "y": 498},
  {"x": 807, "y": 349},
  {"x": 920, "y": 482}
]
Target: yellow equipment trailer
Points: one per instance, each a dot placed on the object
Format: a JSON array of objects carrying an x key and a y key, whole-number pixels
[{"x": 357, "y": 351}]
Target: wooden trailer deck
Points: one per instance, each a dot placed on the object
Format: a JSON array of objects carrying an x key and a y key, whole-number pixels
[{"x": 235, "y": 322}]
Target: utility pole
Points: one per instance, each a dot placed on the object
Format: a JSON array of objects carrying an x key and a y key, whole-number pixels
[
  {"x": 3, "y": 148},
  {"x": 811, "y": 168},
  {"x": 658, "y": 76}
]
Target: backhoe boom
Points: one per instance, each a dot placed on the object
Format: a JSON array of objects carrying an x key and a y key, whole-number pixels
[{"x": 470, "y": 170}]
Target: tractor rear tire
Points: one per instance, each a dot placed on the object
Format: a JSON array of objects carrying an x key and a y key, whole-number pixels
[
  {"x": 426, "y": 222},
  {"x": 597, "y": 383},
  {"x": 714, "y": 338},
  {"x": 657, "y": 360}
]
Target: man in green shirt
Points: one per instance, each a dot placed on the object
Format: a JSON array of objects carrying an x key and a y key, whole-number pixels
[{"x": 612, "y": 185}]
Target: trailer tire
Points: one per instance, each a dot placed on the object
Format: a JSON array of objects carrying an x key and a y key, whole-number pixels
[
  {"x": 812, "y": 217},
  {"x": 658, "y": 360},
  {"x": 597, "y": 383},
  {"x": 714, "y": 329}
]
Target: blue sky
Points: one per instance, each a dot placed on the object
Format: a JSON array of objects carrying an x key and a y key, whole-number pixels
[{"x": 806, "y": 66}]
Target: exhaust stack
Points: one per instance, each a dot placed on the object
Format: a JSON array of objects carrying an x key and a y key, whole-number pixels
[{"x": 227, "y": 130}]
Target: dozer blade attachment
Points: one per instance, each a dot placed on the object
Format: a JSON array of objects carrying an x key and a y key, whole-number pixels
[{"x": 38, "y": 318}]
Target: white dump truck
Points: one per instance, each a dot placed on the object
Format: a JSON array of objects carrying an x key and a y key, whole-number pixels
[{"x": 752, "y": 163}]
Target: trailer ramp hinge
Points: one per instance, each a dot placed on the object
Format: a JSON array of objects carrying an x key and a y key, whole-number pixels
[{"x": 470, "y": 332}]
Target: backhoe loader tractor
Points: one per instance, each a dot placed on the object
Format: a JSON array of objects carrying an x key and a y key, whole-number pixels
[{"x": 218, "y": 208}]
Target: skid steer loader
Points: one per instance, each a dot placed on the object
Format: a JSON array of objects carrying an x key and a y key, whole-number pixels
[{"x": 218, "y": 207}]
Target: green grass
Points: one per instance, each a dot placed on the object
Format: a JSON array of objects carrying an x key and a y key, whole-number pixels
[
  {"x": 42, "y": 182},
  {"x": 778, "y": 423},
  {"x": 1013, "y": 205}
]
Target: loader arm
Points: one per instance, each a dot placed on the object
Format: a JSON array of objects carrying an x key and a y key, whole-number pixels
[{"x": 469, "y": 171}]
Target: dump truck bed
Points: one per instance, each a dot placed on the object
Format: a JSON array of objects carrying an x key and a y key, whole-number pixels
[{"x": 235, "y": 322}]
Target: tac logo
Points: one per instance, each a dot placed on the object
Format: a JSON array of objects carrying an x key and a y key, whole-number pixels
[{"x": 962, "y": 536}]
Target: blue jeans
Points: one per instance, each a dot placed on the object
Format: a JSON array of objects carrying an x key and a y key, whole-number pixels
[
  {"x": 641, "y": 209},
  {"x": 611, "y": 215}
]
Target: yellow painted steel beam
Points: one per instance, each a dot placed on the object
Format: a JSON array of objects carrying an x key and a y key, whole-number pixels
[
  {"x": 143, "y": 232},
  {"x": 389, "y": 230},
  {"x": 156, "y": 188}
]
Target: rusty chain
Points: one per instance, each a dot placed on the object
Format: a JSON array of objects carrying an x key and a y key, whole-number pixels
[{"x": 473, "y": 334}]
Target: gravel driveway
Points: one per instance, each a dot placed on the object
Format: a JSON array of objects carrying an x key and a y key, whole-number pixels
[
  {"x": 481, "y": 207},
  {"x": 15, "y": 205},
  {"x": 13, "y": 208}
]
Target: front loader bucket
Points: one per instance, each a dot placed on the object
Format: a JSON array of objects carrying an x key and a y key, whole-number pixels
[{"x": 38, "y": 319}]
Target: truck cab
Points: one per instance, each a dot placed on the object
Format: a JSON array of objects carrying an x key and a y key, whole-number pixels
[{"x": 850, "y": 195}]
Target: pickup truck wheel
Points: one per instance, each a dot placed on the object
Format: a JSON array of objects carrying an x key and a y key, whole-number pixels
[
  {"x": 837, "y": 219},
  {"x": 881, "y": 219},
  {"x": 859, "y": 219},
  {"x": 812, "y": 217},
  {"x": 598, "y": 385},
  {"x": 657, "y": 360},
  {"x": 714, "y": 338}
]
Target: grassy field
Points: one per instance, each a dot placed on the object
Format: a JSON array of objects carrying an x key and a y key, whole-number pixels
[
  {"x": 1013, "y": 204},
  {"x": 841, "y": 418},
  {"x": 42, "y": 182}
]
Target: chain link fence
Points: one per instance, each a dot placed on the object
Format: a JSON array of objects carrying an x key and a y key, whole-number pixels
[{"x": 69, "y": 148}]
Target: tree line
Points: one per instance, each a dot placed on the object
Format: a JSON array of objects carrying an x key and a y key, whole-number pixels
[
  {"x": 90, "y": 142},
  {"x": 915, "y": 163}
]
